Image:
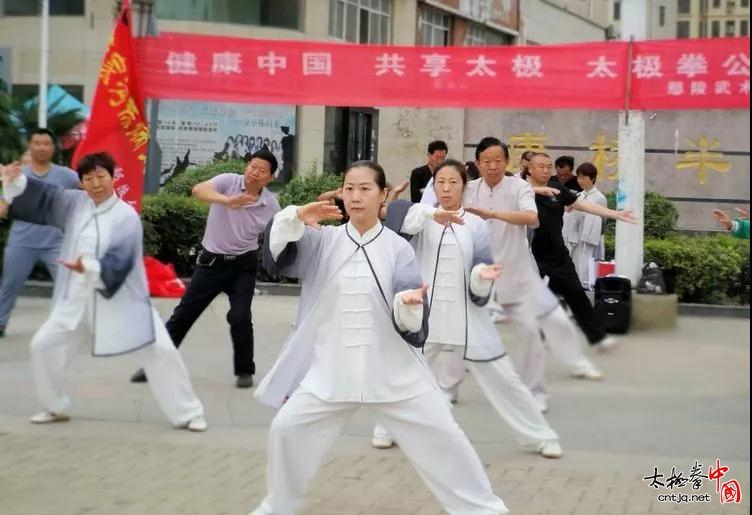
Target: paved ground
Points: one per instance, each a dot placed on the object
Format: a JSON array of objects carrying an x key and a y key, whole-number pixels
[{"x": 670, "y": 398}]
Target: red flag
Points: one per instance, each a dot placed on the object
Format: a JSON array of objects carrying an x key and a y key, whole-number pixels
[{"x": 117, "y": 124}]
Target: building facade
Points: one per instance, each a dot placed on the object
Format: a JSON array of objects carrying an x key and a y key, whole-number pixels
[
  {"x": 660, "y": 22},
  {"x": 712, "y": 18},
  {"x": 330, "y": 137}
]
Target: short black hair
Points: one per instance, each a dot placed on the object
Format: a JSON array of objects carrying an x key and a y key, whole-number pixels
[
  {"x": 459, "y": 166},
  {"x": 265, "y": 154},
  {"x": 527, "y": 155},
  {"x": 563, "y": 161},
  {"x": 90, "y": 162},
  {"x": 588, "y": 170},
  {"x": 472, "y": 170},
  {"x": 437, "y": 145},
  {"x": 488, "y": 142},
  {"x": 379, "y": 176},
  {"x": 41, "y": 131}
]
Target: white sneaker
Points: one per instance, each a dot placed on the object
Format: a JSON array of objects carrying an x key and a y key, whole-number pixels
[
  {"x": 382, "y": 443},
  {"x": 550, "y": 449},
  {"x": 47, "y": 417},
  {"x": 592, "y": 374},
  {"x": 197, "y": 424},
  {"x": 606, "y": 344}
]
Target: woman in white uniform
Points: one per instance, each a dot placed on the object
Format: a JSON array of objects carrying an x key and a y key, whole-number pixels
[
  {"x": 456, "y": 259},
  {"x": 361, "y": 323}
]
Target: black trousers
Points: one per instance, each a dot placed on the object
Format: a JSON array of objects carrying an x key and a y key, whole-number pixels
[
  {"x": 214, "y": 275},
  {"x": 563, "y": 280}
]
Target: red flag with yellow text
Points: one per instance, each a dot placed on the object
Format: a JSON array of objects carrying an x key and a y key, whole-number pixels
[{"x": 118, "y": 124}]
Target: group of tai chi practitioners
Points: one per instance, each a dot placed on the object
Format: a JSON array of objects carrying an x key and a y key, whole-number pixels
[{"x": 391, "y": 315}]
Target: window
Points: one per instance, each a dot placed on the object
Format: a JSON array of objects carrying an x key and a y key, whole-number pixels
[
  {"x": 435, "y": 28},
  {"x": 662, "y": 16},
  {"x": 350, "y": 134},
  {"x": 476, "y": 35},
  {"x": 270, "y": 13},
  {"x": 28, "y": 91},
  {"x": 617, "y": 10},
  {"x": 715, "y": 30},
  {"x": 730, "y": 28},
  {"x": 716, "y": 4},
  {"x": 34, "y": 8},
  {"x": 684, "y": 7},
  {"x": 360, "y": 21},
  {"x": 744, "y": 3},
  {"x": 744, "y": 27},
  {"x": 682, "y": 29},
  {"x": 499, "y": 38}
]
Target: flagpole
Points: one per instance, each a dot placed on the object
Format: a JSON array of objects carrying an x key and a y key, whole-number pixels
[{"x": 44, "y": 64}]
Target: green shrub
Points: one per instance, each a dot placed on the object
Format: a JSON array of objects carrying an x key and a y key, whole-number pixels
[
  {"x": 305, "y": 188},
  {"x": 173, "y": 229},
  {"x": 184, "y": 183},
  {"x": 660, "y": 215},
  {"x": 707, "y": 269}
]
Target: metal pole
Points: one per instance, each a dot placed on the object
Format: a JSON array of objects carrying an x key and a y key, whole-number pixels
[
  {"x": 44, "y": 64},
  {"x": 154, "y": 151}
]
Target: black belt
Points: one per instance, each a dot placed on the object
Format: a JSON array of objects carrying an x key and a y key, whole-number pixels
[{"x": 212, "y": 257}]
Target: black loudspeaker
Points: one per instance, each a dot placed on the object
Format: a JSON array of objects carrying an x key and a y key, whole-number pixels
[{"x": 613, "y": 303}]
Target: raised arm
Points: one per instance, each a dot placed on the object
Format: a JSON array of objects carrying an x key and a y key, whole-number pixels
[
  {"x": 214, "y": 191},
  {"x": 484, "y": 271},
  {"x": 287, "y": 240},
  {"x": 604, "y": 212},
  {"x": 410, "y": 309},
  {"x": 35, "y": 201}
]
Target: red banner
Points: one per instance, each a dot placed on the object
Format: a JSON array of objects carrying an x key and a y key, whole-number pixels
[
  {"x": 117, "y": 124},
  {"x": 577, "y": 76}
]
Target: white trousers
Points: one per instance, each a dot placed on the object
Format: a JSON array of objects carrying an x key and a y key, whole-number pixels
[
  {"x": 523, "y": 316},
  {"x": 447, "y": 364},
  {"x": 306, "y": 427},
  {"x": 584, "y": 256},
  {"x": 506, "y": 392},
  {"x": 54, "y": 346},
  {"x": 564, "y": 342}
]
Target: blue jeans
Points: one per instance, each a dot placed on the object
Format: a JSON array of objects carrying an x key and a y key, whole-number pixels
[{"x": 18, "y": 262}]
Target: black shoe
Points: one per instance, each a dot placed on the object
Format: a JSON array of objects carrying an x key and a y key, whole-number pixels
[
  {"x": 2, "y": 332},
  {"x": 244, "y": 381},
  {"x": 139, "y": 376}
]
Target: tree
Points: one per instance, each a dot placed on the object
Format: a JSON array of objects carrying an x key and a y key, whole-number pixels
[
  {"x": 18, "y": 117},
  {"x": 11, "y": 144}
]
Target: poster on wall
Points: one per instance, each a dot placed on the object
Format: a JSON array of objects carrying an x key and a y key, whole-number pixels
[{"x": 199, "y": 133}]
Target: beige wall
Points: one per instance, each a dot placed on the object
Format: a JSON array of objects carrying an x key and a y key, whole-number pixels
[
  {"x": 405, "y": 132},
  {"x": 668, "y": 135},
  {"x": 549, "y": 21}
]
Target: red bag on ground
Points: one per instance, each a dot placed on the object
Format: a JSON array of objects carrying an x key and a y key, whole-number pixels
[{"x": 163, "y": 281}]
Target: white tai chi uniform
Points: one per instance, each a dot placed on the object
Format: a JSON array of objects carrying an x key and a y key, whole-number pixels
[
  {"x": 525, "y": 298},
  {"x": 107, "y": 303},
  {"x": 584, "y": 237},
  {"x": 451, "y": 259},
  {"x": 351, "y": 348}
]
